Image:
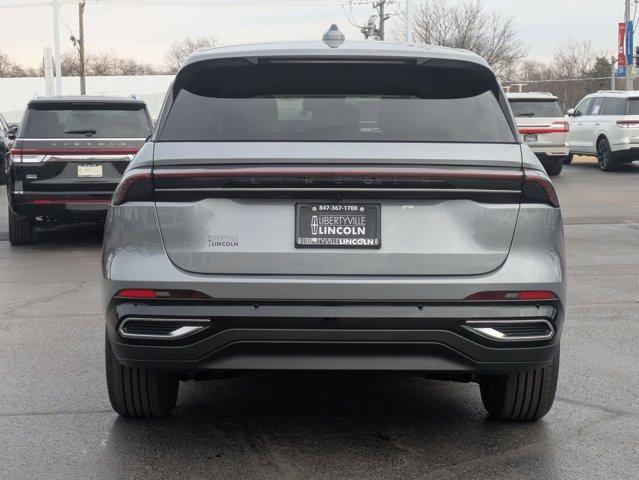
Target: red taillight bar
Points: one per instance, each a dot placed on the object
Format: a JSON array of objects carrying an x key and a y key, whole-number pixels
[
  {"x": 528, "y": 295},
  {"x": 336, "y": 171},
  {"x": 128, "y": 181},
  {"x": 75, "y": 151},
  {"x": 538, "y": 188},
  {"x": 628, "y": 123},
  {"x": 555, "y": 127}
]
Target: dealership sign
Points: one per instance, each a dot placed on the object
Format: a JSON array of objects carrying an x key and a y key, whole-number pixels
[{"x": 621, "y": 55}]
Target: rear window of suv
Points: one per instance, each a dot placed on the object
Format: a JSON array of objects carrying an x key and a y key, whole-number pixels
[
  {"x": 65, "y": 120},
  {"x": 633, "y": 106},
  {"x": 536, "y": 108},
  {"x": 356, "y": 101}
]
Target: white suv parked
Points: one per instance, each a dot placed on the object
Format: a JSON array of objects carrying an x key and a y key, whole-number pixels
[
  {"x": 542, "y": 126},
  {"x": 606, "y": 125}
]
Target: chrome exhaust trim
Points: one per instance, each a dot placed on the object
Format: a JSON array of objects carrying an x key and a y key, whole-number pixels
[
  {"x": 167, "y": 328},
  {"x": 501, "y": 330}
]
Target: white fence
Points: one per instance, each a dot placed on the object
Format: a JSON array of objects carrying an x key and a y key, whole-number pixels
[{"x": 16, "y": 92}]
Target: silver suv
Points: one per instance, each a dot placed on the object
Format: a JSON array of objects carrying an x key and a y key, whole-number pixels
[
  {"x": 606, "y": 125},
  {"x": 542, "y": 126},
  {"x": 311, "y": 207}
]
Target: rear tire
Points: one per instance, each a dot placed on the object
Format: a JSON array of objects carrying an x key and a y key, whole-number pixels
[
  {"x": 606, "y": 158},
  {"x": 568, "y": 159},
  {"x": 553, "y": 166},
  {"x": 20, "y": 230},
  {"x": 521, "y": 396},
  {"x": 139, "y": 393}
]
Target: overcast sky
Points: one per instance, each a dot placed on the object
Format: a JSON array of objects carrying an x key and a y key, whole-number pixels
[{"x": 145, "y": 31}]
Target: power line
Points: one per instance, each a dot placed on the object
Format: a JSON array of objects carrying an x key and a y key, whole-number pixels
[{"x": 204, "y": 3}]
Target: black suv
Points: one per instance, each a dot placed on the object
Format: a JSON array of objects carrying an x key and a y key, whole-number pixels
[
  {"x": 7, "y": 133},
  {"x": 69, "y": 155}
]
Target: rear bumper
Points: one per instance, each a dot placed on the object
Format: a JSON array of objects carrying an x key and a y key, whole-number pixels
[
  {"x": 345, "y": 337},
  {"x": 340, "y": 322},
  {"x": 61, "y": 204},
  {"x": 551, "y": 151}
]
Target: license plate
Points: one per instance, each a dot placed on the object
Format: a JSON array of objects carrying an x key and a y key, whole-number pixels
[
  {"x": 338, "y": 225},
  {"x": 94, "y": 171},
  {"x": 530, "y": 138}
]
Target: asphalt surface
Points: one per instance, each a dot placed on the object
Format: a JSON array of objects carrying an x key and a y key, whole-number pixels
[{"x": 56, "y": 422}]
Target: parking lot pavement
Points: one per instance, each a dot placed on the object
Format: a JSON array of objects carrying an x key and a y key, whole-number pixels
[{"x": 56, "y": 423}]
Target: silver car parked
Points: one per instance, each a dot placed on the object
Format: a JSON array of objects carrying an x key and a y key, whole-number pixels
[{"x": 357, "y": 206}]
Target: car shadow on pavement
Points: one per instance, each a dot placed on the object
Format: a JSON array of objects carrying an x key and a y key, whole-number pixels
[
  {"x": 80, "y": 234},
  {"x": 319, "y": 426}
]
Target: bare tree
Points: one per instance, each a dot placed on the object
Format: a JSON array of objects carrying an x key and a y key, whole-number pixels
[
  {"x": 180, "y": 50},
  {"x": 575, "y": 69},
  {"x": 9, "y": 68},
  {"x": 471, "y": 26},
  {"x": 573, "y": 59},
  {"x": 105, "y": 64}
]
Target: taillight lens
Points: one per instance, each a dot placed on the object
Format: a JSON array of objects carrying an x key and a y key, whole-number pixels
[
  {"x": 20, "y": 155},
  {"x": 529, "y": 295},
  {"x": 146, "y": 294},
  {"x": 560, "y": 126},
  {"x": 628, "y": 123},
  {"x": 136, "y": 185},
  {"x": 538, "y": 188}
]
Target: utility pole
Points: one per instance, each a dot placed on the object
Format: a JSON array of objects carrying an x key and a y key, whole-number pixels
[
  {"x": 83, "y": 85},
  {"x": 56, "y": 48},
  {"x": 381, "y": 8},
  {"x": 409, "y": 21},
  {"x": 629, "y": 67},
  {"x": 613, "y": 74}
]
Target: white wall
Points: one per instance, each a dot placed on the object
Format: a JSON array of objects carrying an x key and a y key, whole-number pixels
[{"x": 16, "y": 92}]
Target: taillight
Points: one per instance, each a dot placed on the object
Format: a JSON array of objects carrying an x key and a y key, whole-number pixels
[
  {"x": 560, "y": 126},
  {"x": 136, "y": 185},
  {"x": 538, "y": 188},
  {"x": 147, "y": 293},
  {"x": 628, "y": 123},
  {"x": 529, "y": 295}
]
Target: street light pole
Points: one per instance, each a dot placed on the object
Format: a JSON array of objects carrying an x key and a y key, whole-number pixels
[
  {"x": 83, "y": 86},
  {"x": 409, "y": 21},
  {"x": 56, "y": 48}
]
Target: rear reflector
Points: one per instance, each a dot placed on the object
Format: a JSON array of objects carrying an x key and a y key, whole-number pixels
[
  {"x": 538, "y": 188},
  {"x": 530, "y": 295},
  {"x": 145, "y": 293}
]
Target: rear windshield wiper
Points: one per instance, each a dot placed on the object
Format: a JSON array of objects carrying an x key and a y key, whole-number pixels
[
  {"x": 529, "y": 114},
  {"x": 81, "y": 132}
]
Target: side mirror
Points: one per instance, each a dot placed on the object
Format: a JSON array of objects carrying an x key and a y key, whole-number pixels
[
  {"x": 571, "y": 113},
  {"x": 11, "y": 134}
]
